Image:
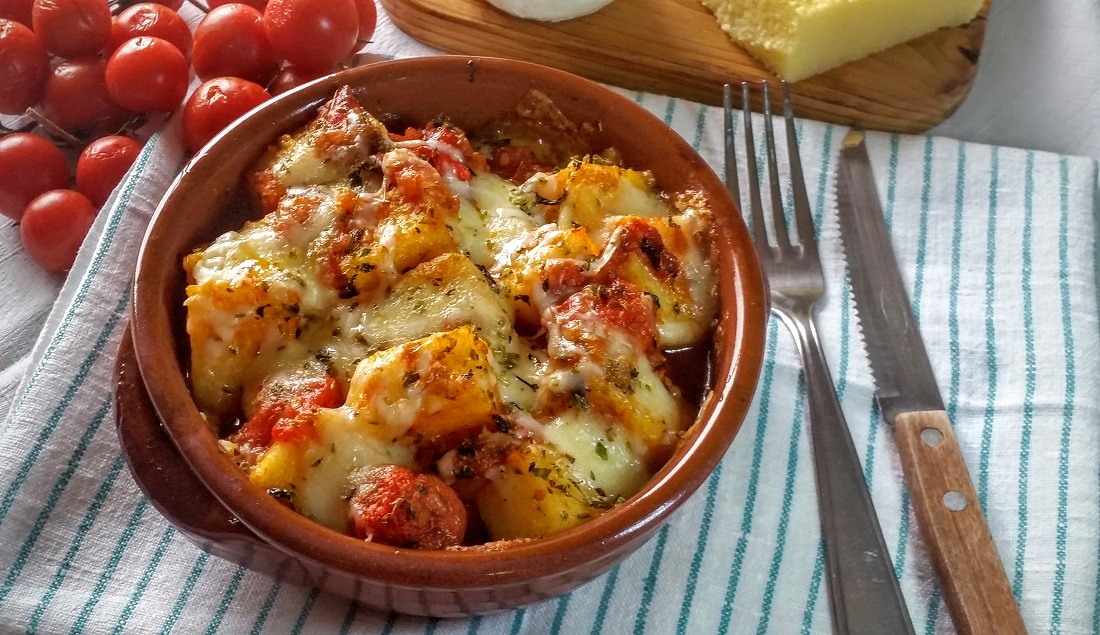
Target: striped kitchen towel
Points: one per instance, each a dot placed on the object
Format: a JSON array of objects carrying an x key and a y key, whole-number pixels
[{"x": 998, "y": 249}]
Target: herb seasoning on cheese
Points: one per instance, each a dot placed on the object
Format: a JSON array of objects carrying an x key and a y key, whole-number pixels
[{"x": 430, "y": 341}]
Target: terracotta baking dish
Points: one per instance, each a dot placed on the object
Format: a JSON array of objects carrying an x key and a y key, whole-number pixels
[{"x": 214, "y": 502}]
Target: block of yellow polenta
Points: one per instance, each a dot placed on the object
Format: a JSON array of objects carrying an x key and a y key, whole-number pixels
[{"x": 800, "y": 38}]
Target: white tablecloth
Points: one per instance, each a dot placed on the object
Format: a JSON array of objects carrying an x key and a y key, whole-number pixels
[{"x": 997, "y": 247}]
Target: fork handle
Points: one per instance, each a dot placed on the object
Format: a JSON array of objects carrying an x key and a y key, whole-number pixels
[{"x": 863, "y": 590}]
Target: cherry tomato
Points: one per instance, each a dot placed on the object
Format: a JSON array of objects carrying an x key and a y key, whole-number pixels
[
  {"x": 17, "y": 11},
  {"x": 154, "y": 20},
  {"x": 231, "y": 40},
  {"x": 313, "y": 34},
  {"x": 393, "y": 505},
  {"x": 216, "y": 104},
  {"x": 25, "y": 66},
  {"x": 102, "y": 165},
  {"x": 147, "y": 74},
  {"x": 76, "y": 99},
  {"x": 291, "y": 77},
  {"x": 53, "y": 227},
  {"x": 72, "y": 28},
  {"x": 120, "y": 5},
  {"x": 368, "y": 22},
  {"x": 29, "y": 166},
  {"x": 255, "y": 4}
]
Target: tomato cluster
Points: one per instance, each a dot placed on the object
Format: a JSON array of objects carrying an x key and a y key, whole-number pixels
[
  {"x": 241, "y": 47},
  {"x": 90, "y": 71}
]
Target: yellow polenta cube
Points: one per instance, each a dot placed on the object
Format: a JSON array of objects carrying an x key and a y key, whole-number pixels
[
  {"x": 279, "y": 467},
  {"x": 409, "y": 236},
  {"x": 523, "y": 272},
  {"x": 536, "y": 495},
  {"x": 594, "y": 192},
  {"x": 800, "y": 38},
  {"x": 436, "y": 389},
  {"x": 229, "y": 324}
]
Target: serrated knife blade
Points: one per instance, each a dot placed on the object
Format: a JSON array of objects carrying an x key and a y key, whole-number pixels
[
  {"x": 960, "y": 545},
  {"x": 903, "y": 375}
]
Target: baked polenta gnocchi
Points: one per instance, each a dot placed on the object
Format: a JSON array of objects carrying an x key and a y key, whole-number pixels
[{"x": 432, "y": 340}]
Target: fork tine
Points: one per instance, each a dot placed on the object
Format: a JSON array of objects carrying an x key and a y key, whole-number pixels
[
  {"x": 779, "y": 219},
  {"x": 756, "y": 209},
  {"x": 731, "y": 153},
  {"x": 803, "y": 216}
]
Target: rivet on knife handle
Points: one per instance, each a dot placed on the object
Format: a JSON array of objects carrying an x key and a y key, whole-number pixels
[{"x": 974, "y": 583}]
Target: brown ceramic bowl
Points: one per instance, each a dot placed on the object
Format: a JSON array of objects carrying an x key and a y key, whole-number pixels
[{"x": 208, "y": 199}]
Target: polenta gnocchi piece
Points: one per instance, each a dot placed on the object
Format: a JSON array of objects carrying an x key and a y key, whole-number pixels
[
  {"x": 332, "y": 148},
  {"x": 532, "y": 261},
  {"x": 535, "y": 494},
  {"x": 411, "y": 222},
  {"x": 637, "y": 251},
  {"x": 589, "y": 193},
  {"x": 444, "y": 293},
  {"x": 602, "y": 343},
  {"x": 230, "y": 322},
  {"x": 433, "y": 392}
]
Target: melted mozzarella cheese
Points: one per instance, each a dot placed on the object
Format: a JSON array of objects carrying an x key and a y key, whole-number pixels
[
  {"x": 694, "y": 226},
  {"x": 300, "y": 165},
  {"x": 441, "y": 294},
  {"x": 279, "y": 258},
  {"x": 488, "y": 220},
  {"x": 520, "y": 372},
  {"x": 602, "y": 455}
]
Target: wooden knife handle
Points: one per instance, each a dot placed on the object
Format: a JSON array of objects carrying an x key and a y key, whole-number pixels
[{"x": 971, "y": 575}]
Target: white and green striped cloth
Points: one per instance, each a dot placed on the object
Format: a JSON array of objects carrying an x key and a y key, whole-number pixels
[{"x": 998, "y": 249}]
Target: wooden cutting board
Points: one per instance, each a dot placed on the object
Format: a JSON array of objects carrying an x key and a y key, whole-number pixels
[{"x": 675, "y": 47}]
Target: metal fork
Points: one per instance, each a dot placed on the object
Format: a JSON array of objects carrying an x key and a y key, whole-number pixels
[{"x": 864, "y": 593}]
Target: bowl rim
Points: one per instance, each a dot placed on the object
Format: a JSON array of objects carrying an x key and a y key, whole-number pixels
[{"x": 738, "y": 356}]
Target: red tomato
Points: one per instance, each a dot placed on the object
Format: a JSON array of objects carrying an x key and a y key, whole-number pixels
[
  {"x": 54, "y": 226},
  {"x": 29, "y": 166},
  {"x": 619, "y": 305},
  {"x": 285, "y": 409},
  {"x": 102, "y": 165},
  {"x": 313, "y": 34},
  {"x": 368, "y": 22},
  {"x": 171, "y": 4},
  {"x": 255, "y": 4},
  {"x": 25, "y": 66},
  {"x": 147, "y": 74},
  {"x": 291, "y": 77},
  {"x": 154, "y": 20},
  {"x": 216, "y": 104},
  {"x": 393, "y": 505},
  {"x": 231, "y": 41},
  {"x": 17, "y": 11},
  {"x": 76, "y": 99},
  {"x": 72, "y": 28}
]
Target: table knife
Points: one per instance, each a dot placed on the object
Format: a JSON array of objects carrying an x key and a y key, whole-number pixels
[{"x": 963, "y": 555}]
